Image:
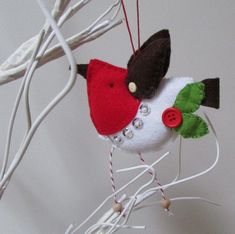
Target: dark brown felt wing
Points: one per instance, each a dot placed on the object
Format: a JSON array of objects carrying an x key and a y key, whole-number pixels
[{"x": 150, "y": 64}]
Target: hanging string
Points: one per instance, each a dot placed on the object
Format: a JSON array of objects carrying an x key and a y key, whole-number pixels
[
  {"x": 138, "y": 21},
  {"x": 111, "y": 171},
  {"x": 128, "y": 26}
]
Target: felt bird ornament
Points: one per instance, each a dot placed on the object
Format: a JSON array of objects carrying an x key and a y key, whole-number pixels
[{"x": 137, "y": 108}]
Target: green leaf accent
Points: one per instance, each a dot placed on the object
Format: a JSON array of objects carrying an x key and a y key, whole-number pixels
[
  {"x": 190, "y": 97},
  {"x": 193, "y": 126}
]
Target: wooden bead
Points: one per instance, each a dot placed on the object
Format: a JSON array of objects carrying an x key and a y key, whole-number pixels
[
  {"x": 132, "y": 87},
  {"x": 117, "y": 207},
  {"x": 166, "y": 203}
]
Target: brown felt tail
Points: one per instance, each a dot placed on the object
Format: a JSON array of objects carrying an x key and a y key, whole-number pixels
[
  {"x": 82, "y": 69},
  {"x": 212, "y": 93}
]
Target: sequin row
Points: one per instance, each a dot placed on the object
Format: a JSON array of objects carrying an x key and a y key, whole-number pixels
[{"x": 137, "y": 123}]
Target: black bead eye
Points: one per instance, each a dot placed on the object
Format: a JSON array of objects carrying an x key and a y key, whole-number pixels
[{"x": 111, "y": 85}]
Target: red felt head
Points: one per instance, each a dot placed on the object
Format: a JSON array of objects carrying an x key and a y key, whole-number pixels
[{"x": 112, "y": 107}]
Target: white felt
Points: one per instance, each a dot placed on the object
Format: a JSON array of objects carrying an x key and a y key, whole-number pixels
[{"x": 155, "y": 135}]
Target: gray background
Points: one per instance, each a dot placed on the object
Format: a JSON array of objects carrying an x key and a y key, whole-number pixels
[{"x": 64, "y": 174}]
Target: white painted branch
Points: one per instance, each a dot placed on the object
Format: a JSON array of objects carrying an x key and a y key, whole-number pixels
[
  {"x": 35, "y": 49},
  {"x": 53, "y": 53},
  {"x": 59, "y": 8},
  {"x": 147, "y": 168},
  {"x": 74, "y": 42},
  {"x": 15, "y": 66},
  {"x": 26, "y": 140},
  {"x": 16, "y": 105},
  {"x": 111, "y": 221},
  {"x": 20, "y": 60},
  {"x": 25, "y": 51}
]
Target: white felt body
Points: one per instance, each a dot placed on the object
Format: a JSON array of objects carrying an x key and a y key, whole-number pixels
[{"x": 155, "y": 135}]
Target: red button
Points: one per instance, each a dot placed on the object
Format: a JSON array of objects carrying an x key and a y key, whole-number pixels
[{"x": 172, "y": 117}]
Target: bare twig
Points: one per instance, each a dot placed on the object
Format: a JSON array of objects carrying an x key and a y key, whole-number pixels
[
  {"x": 15, "y": 66},
  {"x": 23, "y": 64},
  {"x": 112, "y": 221}
]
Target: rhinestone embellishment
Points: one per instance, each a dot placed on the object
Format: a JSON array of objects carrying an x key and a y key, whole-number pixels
[
  {"x": 128, "y": 133},
  {"x": 145, "y": 109},
  {"x": 138, "y": 123},
  {"x": 118, "y": 140}
]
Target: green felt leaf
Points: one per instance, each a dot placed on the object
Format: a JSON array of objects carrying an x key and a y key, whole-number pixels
[
  {"x": 190, "y": 97},
  {"x": 193, "y": 126}
]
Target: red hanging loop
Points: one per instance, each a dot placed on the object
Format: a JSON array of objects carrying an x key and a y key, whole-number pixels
[
  {"x": 138, "y": 21},
  {"x": 128, "y": 26}
]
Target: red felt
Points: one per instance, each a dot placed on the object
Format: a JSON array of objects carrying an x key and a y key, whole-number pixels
[{"x": 112, "y": 107}]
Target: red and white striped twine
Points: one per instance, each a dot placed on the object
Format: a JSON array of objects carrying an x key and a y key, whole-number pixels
[
  {"x": 111, "y": 171},
  {"x": 161, "y": 190}
]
